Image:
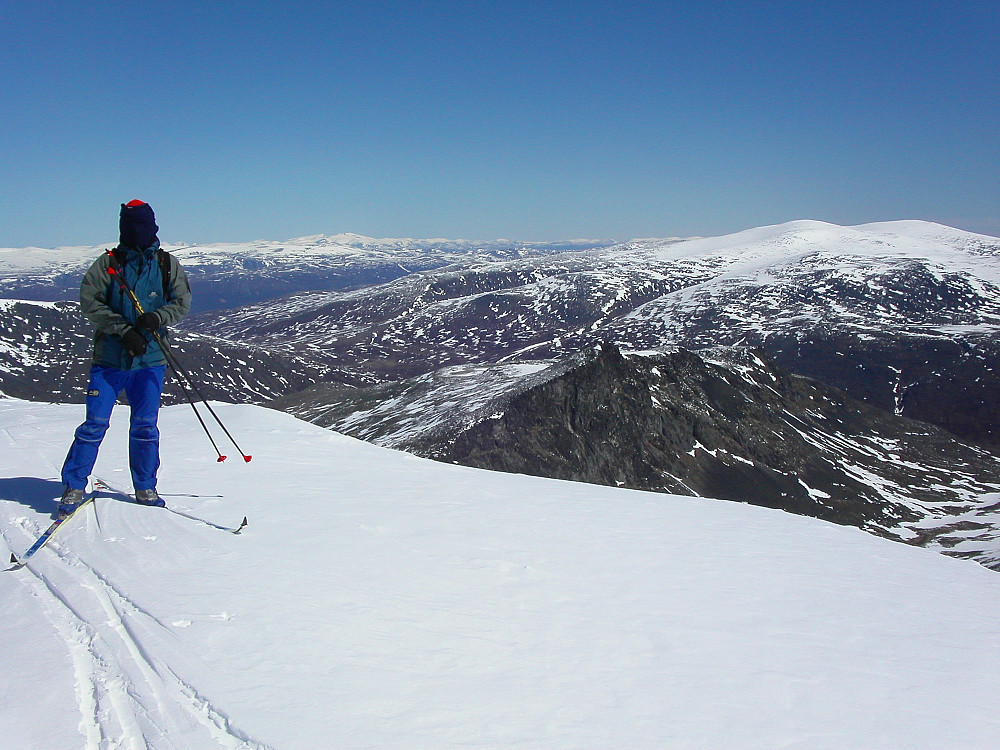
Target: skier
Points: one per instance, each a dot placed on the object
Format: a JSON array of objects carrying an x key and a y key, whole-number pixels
[{"x": 127, "y": 355}]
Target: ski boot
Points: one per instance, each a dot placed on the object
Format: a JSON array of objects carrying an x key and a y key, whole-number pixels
[
  {"x": 149, "y": 497},
  {"x": 68, "y": 503}
]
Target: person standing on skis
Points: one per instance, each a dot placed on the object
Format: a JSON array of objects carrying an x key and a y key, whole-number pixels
[{"x": 127, "y": 353}]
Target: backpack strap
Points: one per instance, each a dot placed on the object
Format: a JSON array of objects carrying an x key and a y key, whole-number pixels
[{"x": 163, "y": 257}]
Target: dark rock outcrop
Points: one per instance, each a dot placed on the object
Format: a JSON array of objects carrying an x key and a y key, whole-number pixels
[{"x": 747, "y": 431}]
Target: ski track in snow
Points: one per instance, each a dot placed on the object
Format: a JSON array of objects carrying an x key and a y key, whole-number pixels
[
  {"x": 127, "y": 696},
  {"x": 435, "y": 606}
]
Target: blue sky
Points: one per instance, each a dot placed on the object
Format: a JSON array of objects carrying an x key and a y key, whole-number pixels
[{"x": 522, "y": 120}]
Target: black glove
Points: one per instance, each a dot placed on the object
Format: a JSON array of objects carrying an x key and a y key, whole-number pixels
[
  {"x": 134, "y": 342},
  {"x": 149, "y": 320}
]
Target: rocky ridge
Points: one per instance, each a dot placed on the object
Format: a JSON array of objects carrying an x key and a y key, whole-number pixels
[{"x": 727, "y": 424}]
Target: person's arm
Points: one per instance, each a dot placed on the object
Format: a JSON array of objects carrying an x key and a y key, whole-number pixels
[{"x": 94, "y": 300}]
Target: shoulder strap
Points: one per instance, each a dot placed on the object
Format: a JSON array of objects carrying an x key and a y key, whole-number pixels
[{"x": 164, "y": 259}]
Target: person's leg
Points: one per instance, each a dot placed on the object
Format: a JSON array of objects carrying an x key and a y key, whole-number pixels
[
  {"x": 102, "y": 392},
  {"x": 144, "y": 388}
]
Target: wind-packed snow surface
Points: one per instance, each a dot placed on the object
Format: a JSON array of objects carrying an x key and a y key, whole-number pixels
[{"x": 378, "y": 600}]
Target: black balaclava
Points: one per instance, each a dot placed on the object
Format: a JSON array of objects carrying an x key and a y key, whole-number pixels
[{"x": 137, "y": 225}]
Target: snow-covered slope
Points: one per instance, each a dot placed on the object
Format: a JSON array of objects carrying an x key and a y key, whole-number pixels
[
  {"x": 725, "y": 424},
  {"x": 380, "y": 600},
  {"x": 909, "y": 276}
]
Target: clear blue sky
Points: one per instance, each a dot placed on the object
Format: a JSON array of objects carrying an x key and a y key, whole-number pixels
[{"x": 523, "y": 120}]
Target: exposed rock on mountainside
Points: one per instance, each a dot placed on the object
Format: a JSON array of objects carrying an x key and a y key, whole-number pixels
[
  {"x": 950, "y": 381},
  {"x": 737, "y": 428},
  {"x": 46, "y": 350},
  {"x": 903, "y": 315}
]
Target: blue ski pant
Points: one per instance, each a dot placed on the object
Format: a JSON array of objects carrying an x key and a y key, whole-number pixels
[{"x": 143, "y": 388}]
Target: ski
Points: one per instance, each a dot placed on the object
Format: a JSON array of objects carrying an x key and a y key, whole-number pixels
[
  {"x": 18, "y": 563},
  {"x": 101, "y": 484},
  {"x": 230, "y": 529}
]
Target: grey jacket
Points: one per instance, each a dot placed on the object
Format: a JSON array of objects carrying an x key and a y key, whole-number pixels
[{"x": 112, "y": 312}]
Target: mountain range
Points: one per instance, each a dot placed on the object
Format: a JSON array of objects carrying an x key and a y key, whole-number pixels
[
  {"x": 821, "y": 369},
  {"x": 232, "y": 274},
  {"x": 902, "y": 315}
]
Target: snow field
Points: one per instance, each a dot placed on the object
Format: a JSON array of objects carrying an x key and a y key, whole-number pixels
[{"x": 381, "y": 600}]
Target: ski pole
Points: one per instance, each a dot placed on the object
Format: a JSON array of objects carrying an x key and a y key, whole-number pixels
[
  {"x": 184, "y": 386},
  {"x": 178, "y": 370},
  {"x": 190, "y": 400},
  {"x": 176, "y": 366}
]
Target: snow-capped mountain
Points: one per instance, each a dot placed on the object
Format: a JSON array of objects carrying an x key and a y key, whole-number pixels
[
  {"x": 381, "y": 600},
  {"x": 232, "y": 274},
  {"x": 903, "y": 315}
]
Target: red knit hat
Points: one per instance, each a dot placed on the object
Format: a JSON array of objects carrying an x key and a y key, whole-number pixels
[{"x": 136, "y": 202}]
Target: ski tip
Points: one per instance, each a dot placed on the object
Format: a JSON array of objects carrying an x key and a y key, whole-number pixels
[
  {"x": 239, "y": 528},
  {"x": 246, "y": 459}
]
